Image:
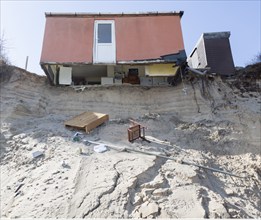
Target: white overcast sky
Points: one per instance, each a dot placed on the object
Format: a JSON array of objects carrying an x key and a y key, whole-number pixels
[{"x": 23, "y": 22}]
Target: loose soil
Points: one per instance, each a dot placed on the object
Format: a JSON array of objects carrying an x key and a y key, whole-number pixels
[{"x": 215, "y": 122}]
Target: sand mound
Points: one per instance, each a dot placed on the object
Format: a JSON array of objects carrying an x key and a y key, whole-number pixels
[{"x": 214, "y": 123}]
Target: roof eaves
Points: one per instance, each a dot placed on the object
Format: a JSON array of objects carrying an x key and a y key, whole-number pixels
[
  {"x": 122, "y": 14},
  {"x": 141, "y": 61}
]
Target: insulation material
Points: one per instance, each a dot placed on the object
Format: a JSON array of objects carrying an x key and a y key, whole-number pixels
[
  {"x": 161, "y": 70},
  {"x": 65, "y": 76},
  {"x": 87, "y": 121}
]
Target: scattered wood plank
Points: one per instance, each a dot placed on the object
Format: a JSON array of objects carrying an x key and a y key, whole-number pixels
[{"x": 87, "y": 121}]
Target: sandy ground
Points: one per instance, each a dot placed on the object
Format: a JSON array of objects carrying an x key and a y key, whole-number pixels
[{"x": 214, "y": 125}]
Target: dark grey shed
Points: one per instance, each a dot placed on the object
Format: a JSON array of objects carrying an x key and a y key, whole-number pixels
[{"x": 213, "y": 51}]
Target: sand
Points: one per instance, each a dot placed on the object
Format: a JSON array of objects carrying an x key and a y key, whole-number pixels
[{"x": 215, "y": 125}]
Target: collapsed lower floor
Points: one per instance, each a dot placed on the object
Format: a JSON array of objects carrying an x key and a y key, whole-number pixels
[{"x": 89, "y": 74}]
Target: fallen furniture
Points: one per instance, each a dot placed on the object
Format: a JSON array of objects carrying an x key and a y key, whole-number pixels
[
  {"x": 136, "y": 131},
  {"x": 87, "y": 121}
]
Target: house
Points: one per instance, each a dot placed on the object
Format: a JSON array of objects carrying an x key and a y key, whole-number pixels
[
  {"x": 105, "y": 48},
  {"x": 213, "y": 51}
]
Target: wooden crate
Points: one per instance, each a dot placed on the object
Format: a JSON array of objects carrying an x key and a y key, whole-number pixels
[{"x": 87, "y": 121}]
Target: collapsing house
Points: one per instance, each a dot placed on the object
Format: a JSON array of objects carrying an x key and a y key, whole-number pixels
[
  {"x": 135, "y": 48},
  {"x": 213, "y": 51}
]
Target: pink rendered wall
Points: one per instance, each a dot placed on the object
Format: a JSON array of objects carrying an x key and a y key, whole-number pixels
[
  {"x": 67, "y": 40},
  {"x": 70, "y": 39},
  {"x": 149, "y": 37}
]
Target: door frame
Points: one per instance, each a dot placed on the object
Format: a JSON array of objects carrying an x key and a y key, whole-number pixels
[{"x": 95, "y": 39}]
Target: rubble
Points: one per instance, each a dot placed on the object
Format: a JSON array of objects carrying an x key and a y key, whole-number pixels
[{"x": 148, "y": 210}]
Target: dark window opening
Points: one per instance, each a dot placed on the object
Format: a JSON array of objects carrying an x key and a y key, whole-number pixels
[{"x": 104, "y": 33}]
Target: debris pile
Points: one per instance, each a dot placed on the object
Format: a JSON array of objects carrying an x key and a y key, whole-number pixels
[{"x": 247, "y": 79}]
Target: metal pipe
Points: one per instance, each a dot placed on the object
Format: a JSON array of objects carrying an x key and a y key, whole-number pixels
[
  {"x": 196, "y": 71},
  {"x": 169, "y": 158},
  {"x": 154, "y": 140},
  {"x": 186, "y": 162},
  {"x": 26, "y": 62},
  {"x": 211, "y": 169}
]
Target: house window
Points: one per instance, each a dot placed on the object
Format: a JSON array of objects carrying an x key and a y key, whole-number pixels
[{"x": 104, "y": 33}]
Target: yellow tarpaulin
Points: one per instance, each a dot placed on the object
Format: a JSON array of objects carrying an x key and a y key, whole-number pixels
[{"x": 161, "y": 69}]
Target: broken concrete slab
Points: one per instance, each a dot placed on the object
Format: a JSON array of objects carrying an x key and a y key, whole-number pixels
[
  {"x": 229, "y": 192},
  {"x": 148, "y": 209},
  {"x": 146, "y": 192},
  {"x": 162, "y": 192},
  {"x": 37, "y": 154},
  {"x": 137, "y": 200}
]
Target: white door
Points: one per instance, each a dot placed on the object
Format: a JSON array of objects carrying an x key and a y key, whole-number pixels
[{"x": 104, "y": 49}]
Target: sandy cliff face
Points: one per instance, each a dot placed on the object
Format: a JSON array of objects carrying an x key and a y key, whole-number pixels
[{"x": 216, "y": 123}]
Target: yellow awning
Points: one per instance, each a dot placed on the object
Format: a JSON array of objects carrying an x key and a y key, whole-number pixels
[{"x": 163, "y": 69}]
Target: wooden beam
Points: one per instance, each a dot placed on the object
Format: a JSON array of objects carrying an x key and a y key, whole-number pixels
[
  {"x": 47, "y": 74},
  {"x": 51, "y": 73}
]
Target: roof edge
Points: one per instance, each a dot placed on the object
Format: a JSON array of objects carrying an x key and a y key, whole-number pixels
[
  {"x": 211, "y": 35},
  {"x": 108, "y": 14}
]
